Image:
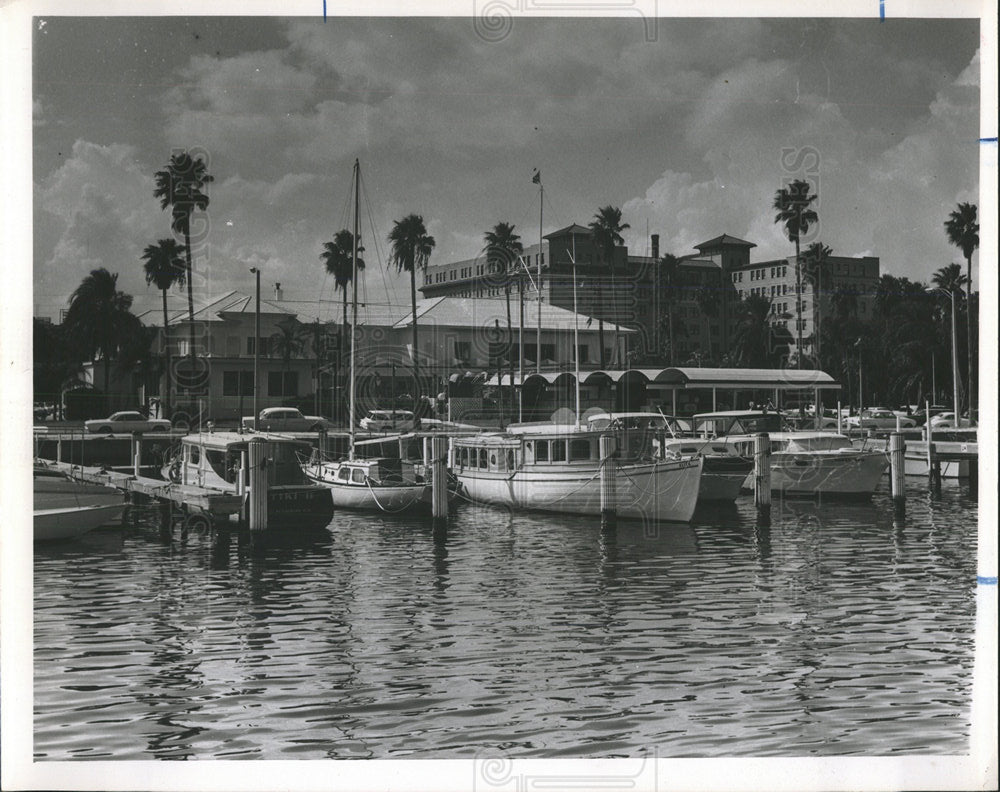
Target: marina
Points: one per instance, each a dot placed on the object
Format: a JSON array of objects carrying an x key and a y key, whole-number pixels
[{"x": 836, "y": 631}]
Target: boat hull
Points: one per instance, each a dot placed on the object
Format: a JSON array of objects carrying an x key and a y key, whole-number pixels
[
  {"x": 819, "y": 473},
  {"x": 389, "y": 498},
  {"x": 657, "y": 490},
  {"x": 916, "y": 465},
  {"x": 71, "y": 521},
  {"x": 722, "y": 477}
]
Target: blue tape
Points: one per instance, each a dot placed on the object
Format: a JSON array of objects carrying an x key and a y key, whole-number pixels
[
  {"x": 324, "y": 10},
  {"x": 988, "y": 140},
  {"x": 881, "y": 10},
  {"x": 986, "y": 581}
]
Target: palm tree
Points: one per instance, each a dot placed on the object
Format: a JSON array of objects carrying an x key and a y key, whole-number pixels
[
  {"x": 962, "y": 227},
  {"x": 752, "y": 335},
  {"x": 814, "y": 260},
  {"x": 411, "y": 250},
  {"x": 606, "y": 228},
  {"x": 951, "y": 281},
  {"x": 339, "y": 258},
  {"x": 100, "y": 321},
  {"x": 792, "y": 204},
  {"x": 165, "y": 266},
  {"x": 179, "y": 186},
  {"x": 502, "y": 248},
  {"x": 288, "y": 342}
]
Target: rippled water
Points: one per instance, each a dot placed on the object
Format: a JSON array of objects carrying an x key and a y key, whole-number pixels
[{"x": 834, "y": 632}]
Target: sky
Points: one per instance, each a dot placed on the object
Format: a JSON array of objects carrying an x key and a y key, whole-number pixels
[{"x": 690, "y": 134}]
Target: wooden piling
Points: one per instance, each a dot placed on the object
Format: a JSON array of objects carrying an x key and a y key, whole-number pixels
[
  {"x": 608, "y": 511},
  {"x": 439, "y": 479},
  {"x": 137, "y": 453},
  {"x": 258, "y": 484},
  {"x": 897, "y": 465},
  {"x": 840, "y": 420},
  {"x": 762, "y": 477}
]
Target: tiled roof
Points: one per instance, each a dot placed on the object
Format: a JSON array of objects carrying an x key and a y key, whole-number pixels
[
  {"x": 469, "y": 311},
  {"x": 231, "y": 302},
  {"x": 725, "y": 239},
  {"x": 573, "y": 228}
]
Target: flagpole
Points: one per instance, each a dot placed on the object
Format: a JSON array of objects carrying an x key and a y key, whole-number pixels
[{"x": 538, "y": 338}]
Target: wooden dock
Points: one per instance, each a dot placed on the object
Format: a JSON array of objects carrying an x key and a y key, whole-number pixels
[{"x": 212, "y": 503}]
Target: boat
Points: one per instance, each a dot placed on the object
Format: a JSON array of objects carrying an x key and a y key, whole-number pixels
[
  {"x": 219, "y": 461},
  {"x": 724, "y": 469},
  {"x": 802, "y": 462},
  {"x": 65, "y": 509},
  {"x": 558, "y": 468},
  {"x": 382, "y": 484}
]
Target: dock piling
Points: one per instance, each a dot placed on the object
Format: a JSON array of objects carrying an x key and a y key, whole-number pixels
[
  {"x": 897, "y": 463},
  {"x": 762, "y": 477},
  {"x": 608, "y": 511},
  {"x": 258, "y": 484},
  {"x": 137, "y": 453},
  {"x": 439, "y": 479}
]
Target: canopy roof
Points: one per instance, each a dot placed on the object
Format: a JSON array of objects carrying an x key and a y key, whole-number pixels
[{"x": 691, "y": 378}]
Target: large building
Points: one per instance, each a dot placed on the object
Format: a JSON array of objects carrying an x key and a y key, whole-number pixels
[{"x": 703, "y": 294}]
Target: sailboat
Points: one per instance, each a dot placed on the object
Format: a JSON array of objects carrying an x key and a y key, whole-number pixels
[{"x": 379, "y": 484}]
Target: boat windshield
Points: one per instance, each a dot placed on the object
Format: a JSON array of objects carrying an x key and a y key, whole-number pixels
[{"x": 750, "y": 423}]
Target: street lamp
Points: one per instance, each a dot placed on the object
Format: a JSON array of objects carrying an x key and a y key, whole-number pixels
[{"x": 256, "y": 348}]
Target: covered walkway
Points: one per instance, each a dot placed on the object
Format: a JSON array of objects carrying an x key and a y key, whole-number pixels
[{"x": 637, "y": 386}]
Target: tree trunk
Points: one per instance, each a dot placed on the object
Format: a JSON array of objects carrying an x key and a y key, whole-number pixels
[
  {"x": 798, "y": 307},
  {"x": 413, "y": 307},
  {"x": 508, "y": 346},
  {"x": 971, "y": 356},
  {"x": 190, "y": 290},
  {"x": 165, "y": 388},
  {"x": 343, "y": 351},
  {"x": 600, "y": 340}
]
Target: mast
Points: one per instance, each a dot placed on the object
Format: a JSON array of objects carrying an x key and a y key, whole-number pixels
[
  {"x": 538, "y": 286},
  {"x": 520, "y": 344},
  {"x": 576, "y": 335},
  {"x": 354, "y": 297}
]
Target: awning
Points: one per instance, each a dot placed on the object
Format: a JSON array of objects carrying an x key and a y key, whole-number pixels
[{"x": 693, "y": 378}]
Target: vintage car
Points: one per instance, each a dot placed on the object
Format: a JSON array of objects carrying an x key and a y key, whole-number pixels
[
  {"x": 286, "y": 419},
  {"x": 388, "y": 421},
  {"x": 126, "y": 421},
  {"x": 879, "y": 419}
]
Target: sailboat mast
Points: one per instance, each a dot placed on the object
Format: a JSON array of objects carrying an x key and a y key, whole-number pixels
[
  {"x": 538, "y": 286},
  {"x": 354, "y": 297},
  {"x": 520, "y": 344},
  {"x": 576, "y": 336}
]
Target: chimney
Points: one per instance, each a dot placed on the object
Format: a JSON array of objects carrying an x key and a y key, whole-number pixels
[
  {"x": 656, "y": 245},
  {"x": 277, "y": 292}
]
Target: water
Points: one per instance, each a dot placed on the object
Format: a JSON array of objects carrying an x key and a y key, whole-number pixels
[{"x": 834, "y": 632}]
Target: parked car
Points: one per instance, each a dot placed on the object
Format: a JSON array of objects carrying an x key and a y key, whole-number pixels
[
  {"x": 389, "y": 421},
  {"x": 286, "y": 419},
  {"x": 946, "y": 420},
  {"x": 126, "y": 421},
  {"x": 877, "y": 418}
]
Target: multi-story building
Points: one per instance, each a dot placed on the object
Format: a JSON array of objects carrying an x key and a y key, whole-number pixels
[{"x": 703, "y": 294}]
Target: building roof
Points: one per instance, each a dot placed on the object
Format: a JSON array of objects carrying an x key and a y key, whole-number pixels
[
  {"x": 573, "y": 228},
  {"x": 231, "y": 302},
  {"x": 723, "y": 378},
  {"x": 483, "y": 312},
  {"x": 725, "y": 239}
]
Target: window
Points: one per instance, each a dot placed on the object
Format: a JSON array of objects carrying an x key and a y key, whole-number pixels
[
  {"x": 344, "y": 474},
  {"x": 463, "y": 351},
  {"x": 578, "y": 450},
  {"x": 265, "y": 346},
  {"x": 194, "y": 454},
  {"x": 482, "y": 458},
  {"x": 542, "y": 450},
  {"x": 583, "y": 353},
  {"x": 558, "y": 450},
  {"x": 358, "y": 476},
  {"x": 548, "y": 351},
  {"x": 283, "y": 383},
  {"x": 237, "y": 383}
]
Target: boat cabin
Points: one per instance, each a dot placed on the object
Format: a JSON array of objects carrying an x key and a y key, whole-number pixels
[
  {"x": 383, "y": 471},
  {"x": 737, "y": 422},
  {"x": 213, "y": 459}
]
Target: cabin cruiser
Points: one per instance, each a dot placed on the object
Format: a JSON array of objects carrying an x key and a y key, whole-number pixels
[
  {"x": 220, "y": 461},
  {"x": 724, "y": 470},
  {"x": 557, "y": 467},
  {"x": 381, "y": 484},
  {"x": 802, "y": 462}
]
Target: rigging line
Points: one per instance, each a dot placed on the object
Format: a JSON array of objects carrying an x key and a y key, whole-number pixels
[{"x": 375, "y": 240}]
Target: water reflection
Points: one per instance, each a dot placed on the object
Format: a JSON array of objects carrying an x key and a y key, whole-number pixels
[{"x": 831, "y": 631}]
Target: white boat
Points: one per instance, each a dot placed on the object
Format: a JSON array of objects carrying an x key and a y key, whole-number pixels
[
  {"x": 802, "y": 463},
  {"x": 724, "y": 470},
  {"x": 219, "y": 461},
  {"x": 64, "y": 509},
  {"x": 381, "y": 484},
  {"x": 557, "y": 468}
]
